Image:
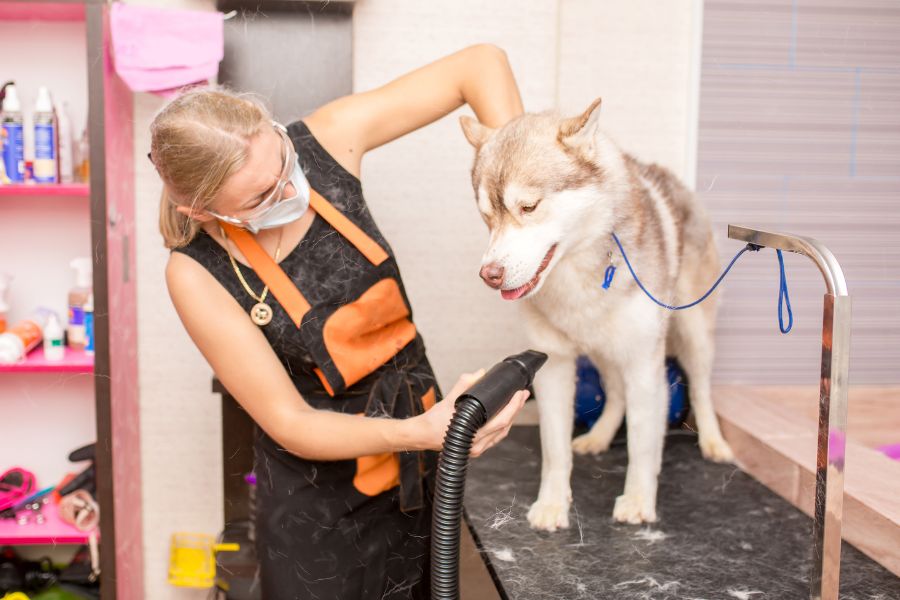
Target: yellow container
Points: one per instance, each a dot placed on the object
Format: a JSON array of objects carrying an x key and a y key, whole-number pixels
[
  {"x": 15, "y": 596},
  {"x": 192, "y": 559}
]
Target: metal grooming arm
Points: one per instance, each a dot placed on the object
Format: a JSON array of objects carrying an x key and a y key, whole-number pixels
[{"x": 829, "y": 498}]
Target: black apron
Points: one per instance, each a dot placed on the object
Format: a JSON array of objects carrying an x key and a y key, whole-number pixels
[{"x": 352, "y": 528}]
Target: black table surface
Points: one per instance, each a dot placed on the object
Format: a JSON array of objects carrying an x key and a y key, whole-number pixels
[{"x": 720, "y": 534}]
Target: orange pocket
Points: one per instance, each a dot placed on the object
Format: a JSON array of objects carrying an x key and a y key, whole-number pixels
[
  {"x": 377, "y": 473},
  {"x": 428, "y": 399},
  {"x": 363, "y": 335}
]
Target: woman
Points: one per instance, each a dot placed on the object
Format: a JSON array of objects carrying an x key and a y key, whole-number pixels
[{"x": 344, "y": 493}]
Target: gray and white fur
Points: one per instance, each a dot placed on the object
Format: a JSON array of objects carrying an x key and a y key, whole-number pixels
[{"x": 551, "y": 191}]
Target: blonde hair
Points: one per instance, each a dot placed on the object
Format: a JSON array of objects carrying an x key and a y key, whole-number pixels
[{"x": 198, "y": 140}]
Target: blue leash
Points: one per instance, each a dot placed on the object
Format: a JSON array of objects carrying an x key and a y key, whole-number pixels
[{"x": 783, "y": 297}]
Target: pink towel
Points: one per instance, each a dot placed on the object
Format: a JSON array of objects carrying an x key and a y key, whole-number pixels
[{"x": 160, "y": 50}]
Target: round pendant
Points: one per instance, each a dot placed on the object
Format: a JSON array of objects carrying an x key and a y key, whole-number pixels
[{"x": 261, "y": 314}]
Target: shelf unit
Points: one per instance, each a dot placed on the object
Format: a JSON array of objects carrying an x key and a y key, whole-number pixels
[
  {"x": 53, "y": 531},
  {"x": 109, "y": 213},
  {"x": 74, "y": 361},
  {"x": 74, "y": 190}
]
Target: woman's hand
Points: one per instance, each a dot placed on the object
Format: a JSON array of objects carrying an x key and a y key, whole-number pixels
[{"x": 434, "y": 422}]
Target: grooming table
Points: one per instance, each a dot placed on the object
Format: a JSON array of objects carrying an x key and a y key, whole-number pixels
[{"x": 720, "y": 534}]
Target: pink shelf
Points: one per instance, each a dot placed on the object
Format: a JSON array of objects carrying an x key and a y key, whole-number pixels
[
  {"x": 41, "y": 11},
  {"x": 52, "y": 531},
  {"x": 75, "y": 361},
  {"x": 51, "y": 189}
]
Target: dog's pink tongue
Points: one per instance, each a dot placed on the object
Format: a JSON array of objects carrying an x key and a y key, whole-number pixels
[{"x": 514, "y": 294}]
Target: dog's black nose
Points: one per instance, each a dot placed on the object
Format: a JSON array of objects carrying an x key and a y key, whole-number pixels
[{"x": 493, "y": 275}]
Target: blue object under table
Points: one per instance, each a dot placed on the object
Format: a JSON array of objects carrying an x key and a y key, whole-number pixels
[{"x": 720, "y": 535}]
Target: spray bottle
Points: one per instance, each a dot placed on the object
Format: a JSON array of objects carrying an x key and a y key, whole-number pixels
[
  {"x": 78, "y": 297},
  {"x": 4, "y": 299},
  {"x": 44, "y": 138},
  {"x": 13, "y": 136}
]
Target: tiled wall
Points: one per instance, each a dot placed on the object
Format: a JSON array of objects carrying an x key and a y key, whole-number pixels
[{"x": 799, "y": 132}]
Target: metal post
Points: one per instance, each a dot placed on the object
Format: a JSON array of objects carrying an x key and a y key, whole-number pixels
[{"x": 832, "y": 438}]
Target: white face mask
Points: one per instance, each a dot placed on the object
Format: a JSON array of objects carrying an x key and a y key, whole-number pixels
[
  {"x": 284, "y": 211},
  {"x": 275, "y": 210}
]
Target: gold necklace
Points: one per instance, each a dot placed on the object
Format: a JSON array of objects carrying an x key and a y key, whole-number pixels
[{"x": 261, "y": 313}]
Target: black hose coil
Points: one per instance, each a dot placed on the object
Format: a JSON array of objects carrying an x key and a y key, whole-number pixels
[{"x": 451, "y": 485}]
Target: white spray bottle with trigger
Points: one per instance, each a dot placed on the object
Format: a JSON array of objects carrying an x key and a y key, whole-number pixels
[{"x": 78, "y": 298}]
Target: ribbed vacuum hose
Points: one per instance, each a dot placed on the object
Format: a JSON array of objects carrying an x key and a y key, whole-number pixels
[
  {"x": 474, "y": 407},
  {"x": 451, "y": 486}
]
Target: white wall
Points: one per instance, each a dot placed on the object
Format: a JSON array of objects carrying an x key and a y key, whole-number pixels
[
  {"x": 419, "y": 187},
  {"x": 642, "y": 58},
  {"x": 637, "y": 55},
  {"x": 180, "y": 417}
]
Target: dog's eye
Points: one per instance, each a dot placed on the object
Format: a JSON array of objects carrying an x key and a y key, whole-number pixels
[{"x": 529, "y": 208}]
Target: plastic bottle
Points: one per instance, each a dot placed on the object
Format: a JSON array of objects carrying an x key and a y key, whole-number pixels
[
  {"x": 66, "y": 158},
  {"x": 89, "y": 324},
  {"x": 13, "y": 134},
  {"x": 45, "y": 143},
  {"x": 28, "y": 146},
  {"x": 4, "y": 299},
  {"x": 54, "y": 351},
  {"x": 23, "y": 337},
  {"x": 4, "y": 180},
  {"x": 78, "y": 297},
  {"x": 84, "y": 158}
]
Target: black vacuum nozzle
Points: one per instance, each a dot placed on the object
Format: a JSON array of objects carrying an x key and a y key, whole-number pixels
[{"x": 494, "y": 390}]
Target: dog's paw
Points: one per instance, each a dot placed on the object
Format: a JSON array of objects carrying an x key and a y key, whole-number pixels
[
  {"x": 634, "y": 509},
  {"x": 590, "y": 443},
  {"x": 549, "y": 516},
  {"x": 716, "y": 449}
]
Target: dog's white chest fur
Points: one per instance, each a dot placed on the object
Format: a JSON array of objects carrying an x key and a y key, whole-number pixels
[{"x": 610, "y": 323}]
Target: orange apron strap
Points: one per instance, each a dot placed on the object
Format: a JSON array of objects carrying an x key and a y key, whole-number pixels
[
  {"x": 366, "y": 245},
  {"x": 270, "y": 272}
]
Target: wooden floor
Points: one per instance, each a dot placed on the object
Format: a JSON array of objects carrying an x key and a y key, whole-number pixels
[
  {"x": 873, "y": 414},
  {"x": 772, "y": 430}
]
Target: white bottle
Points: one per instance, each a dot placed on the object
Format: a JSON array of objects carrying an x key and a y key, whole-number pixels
[
  {"x": 66, "y": 162},
  {"x": 14, "y": 139},
  {"x": 45, "y": 149},
  {"x": 54, "y": 351}
]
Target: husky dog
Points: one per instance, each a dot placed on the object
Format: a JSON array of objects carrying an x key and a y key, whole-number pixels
[{"x": 552, "y": 191}]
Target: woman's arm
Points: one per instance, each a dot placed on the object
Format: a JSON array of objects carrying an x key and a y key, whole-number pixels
[
  {"x": 479, "y": 76},
  {"x": 245, "y": 363}
]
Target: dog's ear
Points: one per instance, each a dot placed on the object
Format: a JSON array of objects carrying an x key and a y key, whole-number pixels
[
  {"x": 475, "y": 132},
  {"x": 573, "y": 131}
]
